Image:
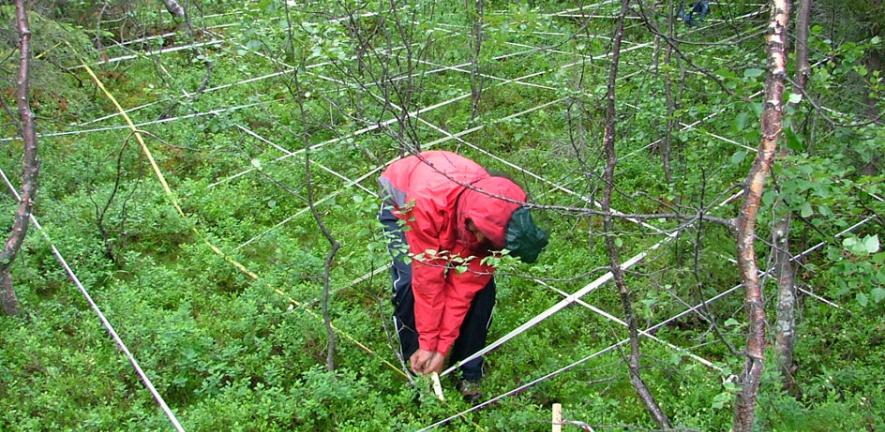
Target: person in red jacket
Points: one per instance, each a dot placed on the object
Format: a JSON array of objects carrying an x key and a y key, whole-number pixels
[{"x": 438, "y": 210}]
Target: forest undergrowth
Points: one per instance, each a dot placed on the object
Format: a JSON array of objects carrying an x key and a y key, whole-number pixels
[{"x": 236, "y": 341}]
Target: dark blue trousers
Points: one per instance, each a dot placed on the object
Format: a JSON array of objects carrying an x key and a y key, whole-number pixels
[{"x": 475, "y": 327}]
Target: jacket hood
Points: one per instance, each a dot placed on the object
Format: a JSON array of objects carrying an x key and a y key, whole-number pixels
[{"x": 490, "y": 214}]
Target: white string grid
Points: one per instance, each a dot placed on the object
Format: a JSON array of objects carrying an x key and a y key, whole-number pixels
[
  {"x": 104, "y": 321},
  {"x": 575, "y": 297}
]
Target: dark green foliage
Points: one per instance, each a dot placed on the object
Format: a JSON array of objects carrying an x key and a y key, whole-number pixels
[{"x": 231, "y": 353}]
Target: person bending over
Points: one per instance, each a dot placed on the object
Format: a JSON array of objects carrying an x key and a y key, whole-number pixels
[{"x": 439, "y": 209}]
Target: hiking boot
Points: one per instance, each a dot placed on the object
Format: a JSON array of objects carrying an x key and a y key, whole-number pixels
[{"x": 471, "y": 392}]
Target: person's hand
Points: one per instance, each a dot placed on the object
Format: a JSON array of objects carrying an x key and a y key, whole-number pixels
[
  {"x": 435, "y": 364},
  {"x": 419, "y": 361}
]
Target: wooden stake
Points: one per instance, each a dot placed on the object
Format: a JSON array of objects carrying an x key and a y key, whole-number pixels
[
  {"x": 437, "y": 387},
  {"x": 557, "y": 417}
]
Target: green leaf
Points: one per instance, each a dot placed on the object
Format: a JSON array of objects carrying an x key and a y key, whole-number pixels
[
  {"x": 753, "y": 72},
  {"x": 768, "y": 198},
  {"x": 721, "y": 399},
  {"x": 794, "y": 141},
  {"x": 619, "y": 242},
  {"x": 757, "y": 108},
  {"x": 861, "y": 70},
  {"x": 740, "y": 121},
  {"x": 878, "y": 294},
  {"x": 862, "y": 299},
  {"x": 731, "y": 322},
  {"x": 806, "y": 210},
  {"x": 730, "y": 386},
  {"x": 871, "y": 243},
  {"x": 795, "y": 98},
  {"x": 738, "y": 157},
  {"x": 850, "y": 243}
]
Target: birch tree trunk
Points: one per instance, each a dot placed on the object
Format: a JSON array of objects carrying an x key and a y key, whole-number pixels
[
  {"x": 174, "y": 8},
  {"x": 745, "y": 406},
  {"x": 785, "y": 332},
  {"x": 30, "y": 165},
  {"x": 614, "y": 258},
  {"x": 475, "y": 76},
  {"x": 667, "y": 143}
]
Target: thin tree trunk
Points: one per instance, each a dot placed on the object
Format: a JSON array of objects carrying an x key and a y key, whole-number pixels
[
  {"x": 785, "y": 330},
  {"x": 180, "y": 12},
  {"x": 30, "y": 165},
  {"x": 745, "y": 406},
  {"x": 785, "y": 333},
  {"x": 614, "y": 258},
  {"x": 699, "y": 280},
  {"x": 298, "y": 93},
  {"x": 327, "y": 267},
  {"x": 803, "y": 68},
  {"x": 174, "y": 8},
  {"x": 333, "y": 243},
  {"x": 668, "y": 93},
  {"x": 475, "y": 77}
]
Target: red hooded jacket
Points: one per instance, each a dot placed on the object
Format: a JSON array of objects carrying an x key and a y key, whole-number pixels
[{"x": 428, "y": 192}]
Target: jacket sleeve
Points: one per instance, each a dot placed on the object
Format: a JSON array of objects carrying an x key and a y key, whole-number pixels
[
  {"x": 459, "y": 293},
  {"x": 428, "y": 278}
]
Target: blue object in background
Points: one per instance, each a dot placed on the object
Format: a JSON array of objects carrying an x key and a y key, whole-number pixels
[{"x": 696, "y": 14}]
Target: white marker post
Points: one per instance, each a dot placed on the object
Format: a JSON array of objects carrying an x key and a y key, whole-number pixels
[
  {"x": 437, "y": 387},
  {"x": 557, "y": 417}
]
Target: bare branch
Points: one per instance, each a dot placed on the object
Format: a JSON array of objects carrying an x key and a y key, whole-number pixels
[
  {"x": 299, "y": 96},
  {"x": 699, "y": 281},
  {"x": 614, "y": 259},
  {"x": 30, "y": 164},
  {"x": 476, "y": 79},
  {"x": 654, "y": 29}
]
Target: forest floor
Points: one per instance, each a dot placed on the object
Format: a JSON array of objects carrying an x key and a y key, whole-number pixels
[{"x": 235, "y": 341}]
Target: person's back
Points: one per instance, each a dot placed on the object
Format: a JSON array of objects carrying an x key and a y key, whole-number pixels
[
  {"x": 434, "y": 178},
  {"x": 454, "y": 213},
  {"x": 438, "y": 192}
]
